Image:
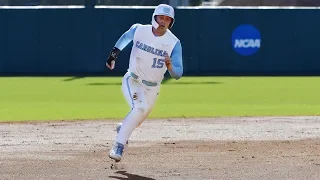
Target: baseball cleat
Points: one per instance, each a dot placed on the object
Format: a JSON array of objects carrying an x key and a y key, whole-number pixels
[{"x": 116, "y": 152}]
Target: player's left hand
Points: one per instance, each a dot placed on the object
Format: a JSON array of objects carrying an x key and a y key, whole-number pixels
[
  {"x": 168, "y": 62},
  {"x": 111, "y": 64}
]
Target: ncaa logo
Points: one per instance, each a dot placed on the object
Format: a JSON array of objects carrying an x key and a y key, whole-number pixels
[
  {"x": 246, "y": 40},
  {"x": 166, "y": 10}
]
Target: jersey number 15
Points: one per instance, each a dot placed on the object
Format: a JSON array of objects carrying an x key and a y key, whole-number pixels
[{"x": 157, "y": 63}]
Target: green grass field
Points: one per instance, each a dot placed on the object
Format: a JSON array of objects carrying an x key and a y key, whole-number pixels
[{"x": 67, "y": 98}]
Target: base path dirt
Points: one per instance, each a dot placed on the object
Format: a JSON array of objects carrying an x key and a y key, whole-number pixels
[{"x": 241, "y": 148}]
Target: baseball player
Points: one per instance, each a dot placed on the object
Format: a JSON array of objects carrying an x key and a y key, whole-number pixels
[{"x": 155, "y": 50}]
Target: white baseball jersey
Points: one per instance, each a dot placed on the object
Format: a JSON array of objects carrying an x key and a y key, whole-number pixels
[
  {"x": 147, "y": 54},
  {"x": 148, "y": 51}
]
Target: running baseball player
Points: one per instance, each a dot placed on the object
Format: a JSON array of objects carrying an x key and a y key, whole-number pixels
[{"x": 155, "y": 50}]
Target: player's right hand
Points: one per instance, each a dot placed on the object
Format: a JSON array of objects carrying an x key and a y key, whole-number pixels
[
  {"x": 112, "y": 58},
  {"x": 168, "y": 62}
]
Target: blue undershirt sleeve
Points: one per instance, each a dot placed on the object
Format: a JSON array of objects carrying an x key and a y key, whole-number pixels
[
  {"x": 126, "y": 37},
  {"x": 176, "y": 58}
]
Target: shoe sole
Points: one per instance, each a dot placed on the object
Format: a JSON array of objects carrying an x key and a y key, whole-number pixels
[{"x": 115, "y": 159}]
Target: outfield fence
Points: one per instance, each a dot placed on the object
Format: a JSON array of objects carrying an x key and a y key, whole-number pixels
[{"x": 71, "y": 40}]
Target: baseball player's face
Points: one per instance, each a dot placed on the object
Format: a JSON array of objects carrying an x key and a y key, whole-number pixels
[{"x": 163, "y": 21}]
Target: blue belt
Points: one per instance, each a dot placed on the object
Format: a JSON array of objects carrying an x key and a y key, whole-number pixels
[{"x": 148, "y": 83}]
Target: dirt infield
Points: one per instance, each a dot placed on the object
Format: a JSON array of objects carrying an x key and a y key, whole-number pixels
[{"x": 217, "y": 148}]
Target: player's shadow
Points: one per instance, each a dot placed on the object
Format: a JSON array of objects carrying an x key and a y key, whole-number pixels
[
  {"x": 130, "y": 176},
  {"x": 74, "y": 78}
]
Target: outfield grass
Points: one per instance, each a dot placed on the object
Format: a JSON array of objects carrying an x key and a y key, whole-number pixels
[{"x": 67, "y": 98}]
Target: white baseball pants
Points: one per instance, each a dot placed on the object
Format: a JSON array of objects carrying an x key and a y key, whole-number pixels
[{"x": 141, "y": 99}]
